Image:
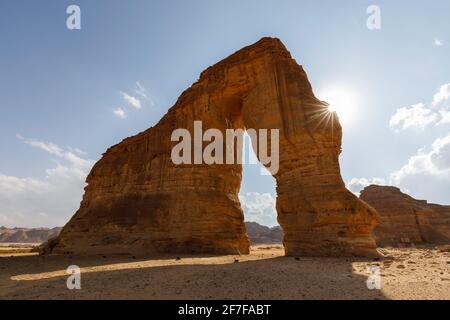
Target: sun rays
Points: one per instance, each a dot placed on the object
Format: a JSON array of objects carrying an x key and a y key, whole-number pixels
[{"x": 341, "y": 101}]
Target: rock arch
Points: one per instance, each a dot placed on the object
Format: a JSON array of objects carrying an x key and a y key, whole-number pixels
[{"x": 138, "y": 201}]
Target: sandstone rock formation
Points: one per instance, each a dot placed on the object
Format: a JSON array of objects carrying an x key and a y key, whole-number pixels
[
  {"x": 137, "y": 200},
  {"x": 405, "y": 220},
  {"x": 259, "y": 234},
  {"x": 27, "y": 235}
]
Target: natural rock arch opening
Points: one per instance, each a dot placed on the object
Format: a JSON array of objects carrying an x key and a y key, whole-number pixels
[
  {"x": 257, "y": 195},
  {"x": 138, "y": 201}
]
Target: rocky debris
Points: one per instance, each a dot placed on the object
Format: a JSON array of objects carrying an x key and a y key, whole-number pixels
[
  {"x": 138, "y": 200},
  {"x": 406, "y": 221},
  {"x": 444, "y": 248},
  {"x": 27, "y": 235}
]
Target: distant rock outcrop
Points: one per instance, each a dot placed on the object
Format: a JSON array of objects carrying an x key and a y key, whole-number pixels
[
  {"x": 27, "y": 235},
  {"x": 138, "y": 200},
  {"x": 405, "y": 220},
  {"x": 259, "y": 234}
]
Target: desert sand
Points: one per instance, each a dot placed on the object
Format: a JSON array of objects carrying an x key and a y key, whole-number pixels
[{"x": 407, "y": 273}]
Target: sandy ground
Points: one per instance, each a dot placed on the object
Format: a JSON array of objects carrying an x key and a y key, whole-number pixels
[
  {"x": 7, "y": 248},
  {"x": 18, "y": 245},
  {"x": 264, "y": 274}
]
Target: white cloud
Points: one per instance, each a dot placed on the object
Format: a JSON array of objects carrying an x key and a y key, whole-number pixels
[
  {"x": 259, "y": 207},
  {"x": 132, "y": 101},
  {"x": 142, "y": 92},
  {"x": 445, "y": 117},
  {"x": 56, "y": 150},
  {"x": 77, "y": 151},
  {"x": 49, "y": 147},
  {"x": 420, "y": 115},
  {"x": 442, "y": 95},
  {"x": 438, "y": 43},
  {"x": 357, "y": 184},
  {"x": 119, "y": 113},
  {"x": 49, "y": 200},
  {"x": 10, "y": 185},
  {"x": 428, "y": 168},
  {"x": 417, "y": 115},
  {"x": 427, "y": 173}
]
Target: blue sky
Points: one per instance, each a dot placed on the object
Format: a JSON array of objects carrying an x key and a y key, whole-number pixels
[{"x": 60, "y": 88}]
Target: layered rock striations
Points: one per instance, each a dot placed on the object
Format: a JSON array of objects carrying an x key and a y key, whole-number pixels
[
  {"x": 138, "y": 200},
  {"x": 405, "y": 220}
]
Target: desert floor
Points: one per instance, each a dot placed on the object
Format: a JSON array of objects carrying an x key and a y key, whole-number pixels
[{"x": 264, "y": 274}]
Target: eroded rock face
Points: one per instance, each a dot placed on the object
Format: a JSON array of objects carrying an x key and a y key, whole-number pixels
[
  {"x": 259, "y": 234},
  {"x": 405, "y": 220},
  {"x": 137, "y": 200}
]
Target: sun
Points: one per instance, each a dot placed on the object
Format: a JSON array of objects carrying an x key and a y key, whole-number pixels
[{"x": 342, "y": 101}]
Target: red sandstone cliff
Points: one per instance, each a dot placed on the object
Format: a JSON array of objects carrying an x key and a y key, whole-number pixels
[{"x": 405, "y": 220}]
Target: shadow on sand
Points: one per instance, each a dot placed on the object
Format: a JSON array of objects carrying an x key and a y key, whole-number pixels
[{"x": 257, "y": 276}]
